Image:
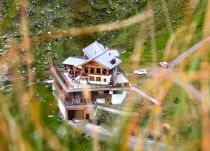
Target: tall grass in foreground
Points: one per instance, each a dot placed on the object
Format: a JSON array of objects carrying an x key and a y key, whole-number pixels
[{"x": 186, "y": 125}]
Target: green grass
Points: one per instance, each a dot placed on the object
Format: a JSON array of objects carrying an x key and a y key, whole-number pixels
[{"x": 76, "y": 13}]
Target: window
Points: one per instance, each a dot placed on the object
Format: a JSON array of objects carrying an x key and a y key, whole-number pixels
[
  {"x": 104, "y": 79},
  {"x": 98, "y": 71},
  {"x": 104, "y": 71},
  {"x": 91, "y": 78},
  {"x": 117, "y": 92},
  {"x": 86, "y": 70},
  {"x": 92, "y": 70},
  {"x": 65, "y": 67},
  {"x": 98, "y": 78}
]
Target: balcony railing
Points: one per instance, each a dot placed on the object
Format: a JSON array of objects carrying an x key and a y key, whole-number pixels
[{"x": 71, "y": 85}]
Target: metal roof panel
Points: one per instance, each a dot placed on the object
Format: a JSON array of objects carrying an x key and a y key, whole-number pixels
[
  {"x": 75, "y": 61},
  {"x": 94, "y": 50}
]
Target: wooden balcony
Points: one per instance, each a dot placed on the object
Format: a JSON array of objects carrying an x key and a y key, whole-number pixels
[{"x": 70, "y": 85}]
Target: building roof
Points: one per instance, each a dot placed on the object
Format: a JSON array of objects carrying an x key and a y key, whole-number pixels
[
  {"x": 114, "y": 52},
  {"x": 108, "y": 60},
  {"x": 75, "y": 61},
  {"x": 98, "y": 53},
  {"x": 93, "y": 50}
]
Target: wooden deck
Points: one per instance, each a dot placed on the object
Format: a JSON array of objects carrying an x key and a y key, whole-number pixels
[
  {"x": 68, "y": 88},
  {"x": 98, "y": 88}
]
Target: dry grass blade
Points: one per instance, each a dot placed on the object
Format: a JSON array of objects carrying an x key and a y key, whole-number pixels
[
  {"x": 26, "y": 42},
  {"x": 173, "y": 117},
  {"x": 93, "y": 29}
]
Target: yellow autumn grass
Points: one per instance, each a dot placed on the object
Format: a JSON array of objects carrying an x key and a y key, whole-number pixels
[{"x": 12, "y": 135}]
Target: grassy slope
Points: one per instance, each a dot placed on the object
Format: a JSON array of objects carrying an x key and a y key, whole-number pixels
[{"x": 80, "y": 13}]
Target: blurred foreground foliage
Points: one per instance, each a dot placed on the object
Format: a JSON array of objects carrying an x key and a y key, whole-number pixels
[{"x": 31, "y": 122}]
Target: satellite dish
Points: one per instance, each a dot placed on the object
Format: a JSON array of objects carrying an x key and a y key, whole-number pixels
[{"x": 113, "y": 61}]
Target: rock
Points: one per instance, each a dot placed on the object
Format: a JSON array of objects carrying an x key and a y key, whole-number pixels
[
  {"x": 39, "y": 32},
  {"x": 2, "y": 88},
  {"x": 4, "y": 37},
  {"x": 30, "y": 12},
  {"x": 6, "y": 78},
  {"x": 17, "y": 35},
  {"x": 50, "y": 116},
  {"x": 57, "y": 7},
  {"x": 42, "y": 12},
  {"x": 49, "y": 48},
  {"x": 38, "y": 80},
  {"x": 56, "y": 20},
  {"x": 50, "y": 11},
  {"x": 91, "y": 2},
  {"x": 48, "y": 81},
  {"x": 35, "y": 25},
  {"x": 34, "y": 71},
  {"x": 124, "y": 51},
  {"x": 108, "y": 11},
  {"x": 7, "y": 46},
  {"x": 123, "y": 8}
]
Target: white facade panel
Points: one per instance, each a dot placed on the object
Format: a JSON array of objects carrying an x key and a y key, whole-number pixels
[
  {"x": 105, "y": 79},
  {"x": 100, "y": 100},
  {"x": 62, "y": 109},
  {"x": 119, "y": 98}
]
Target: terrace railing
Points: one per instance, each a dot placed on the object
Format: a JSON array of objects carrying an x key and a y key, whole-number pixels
[{"x": 71, "y": 85}]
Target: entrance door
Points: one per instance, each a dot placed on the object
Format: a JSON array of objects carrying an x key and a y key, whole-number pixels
[
  {"x": 77, "y": 114},
  {"x": 87, "y": 116},
  {"x": 71, "y": 114}
]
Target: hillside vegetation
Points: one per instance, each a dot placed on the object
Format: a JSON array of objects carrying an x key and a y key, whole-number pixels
[{"x": 175, "y": 26}]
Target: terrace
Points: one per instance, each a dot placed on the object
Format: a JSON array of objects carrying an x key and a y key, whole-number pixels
[
  {"x": 69, "y": 84},
  {"x": 78, "y": 84}
]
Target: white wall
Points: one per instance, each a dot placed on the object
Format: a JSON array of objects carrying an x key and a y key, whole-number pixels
[
  {"x": 107, "y": 77},
  {"x": 100, "y": 100},
  {"x": 62, "y": 109},
  {"x": 119, "y": 98}
]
